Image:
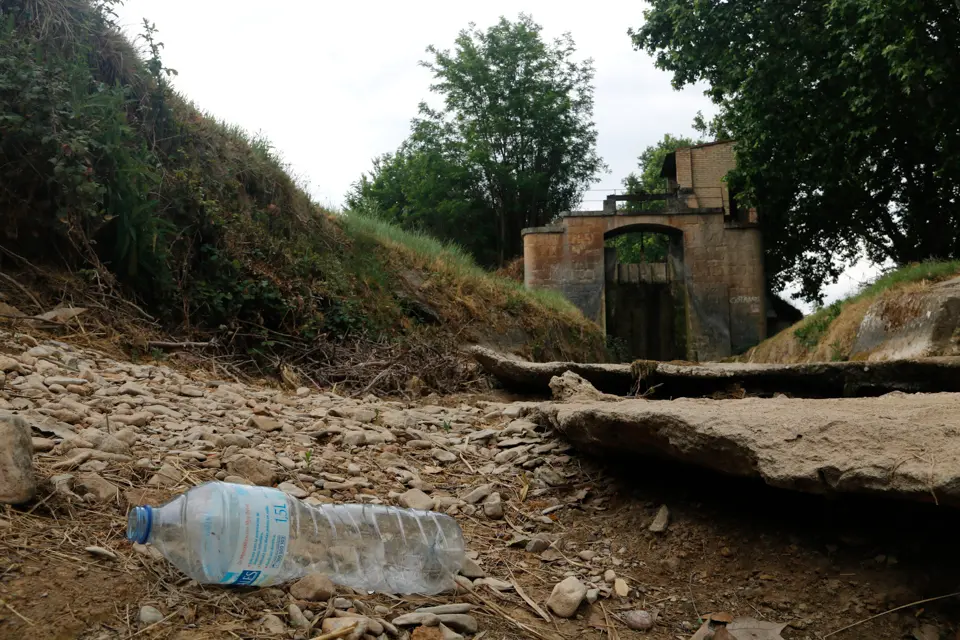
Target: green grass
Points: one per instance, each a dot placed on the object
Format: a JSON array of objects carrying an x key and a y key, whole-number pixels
[
  {"x": 453, "y": 258},
  {"x": 812, "y": 328},
  {"x": 929, "y": 271}
]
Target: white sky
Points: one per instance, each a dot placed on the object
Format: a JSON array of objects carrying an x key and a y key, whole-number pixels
[{"x": 334, "y": 84}]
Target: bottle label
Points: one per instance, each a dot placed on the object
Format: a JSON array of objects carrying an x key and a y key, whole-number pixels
[{"x": 264, "y": 534}]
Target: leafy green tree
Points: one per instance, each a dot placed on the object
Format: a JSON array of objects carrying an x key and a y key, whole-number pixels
[
  {"x": 843, "y": 110},
  {"x": 648, "y": 247},
  {"x": 650, "y": 163},
  {"x": 516, "y": 120}
]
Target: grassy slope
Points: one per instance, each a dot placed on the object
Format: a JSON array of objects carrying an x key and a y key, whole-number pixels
[
  {"x": 829, "y": 334},
  {"x": 126, "y": 182}
]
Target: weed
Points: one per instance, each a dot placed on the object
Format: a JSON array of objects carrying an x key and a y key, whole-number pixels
[{"x": 814, "y": 327}]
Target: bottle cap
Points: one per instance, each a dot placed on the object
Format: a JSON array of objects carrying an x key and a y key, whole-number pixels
[{"x": 139, "y": 523}]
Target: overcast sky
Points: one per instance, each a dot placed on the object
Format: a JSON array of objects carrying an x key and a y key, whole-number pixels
[{"x": 334, "y": 84}]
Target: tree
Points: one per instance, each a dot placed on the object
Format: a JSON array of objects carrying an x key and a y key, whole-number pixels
[
  {"x": 517, "y": 120},
  {"x": 648, "y": 247},
  {"x": 847, "y": 138}
]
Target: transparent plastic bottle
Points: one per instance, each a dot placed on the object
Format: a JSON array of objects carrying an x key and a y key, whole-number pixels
[{"x": 223, "y": 533}]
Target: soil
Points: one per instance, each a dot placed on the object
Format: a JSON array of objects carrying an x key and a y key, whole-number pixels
[{"x": 732, "y": 545}]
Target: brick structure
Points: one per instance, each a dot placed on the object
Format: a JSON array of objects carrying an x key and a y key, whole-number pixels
[{"x": 716, "y": 257}]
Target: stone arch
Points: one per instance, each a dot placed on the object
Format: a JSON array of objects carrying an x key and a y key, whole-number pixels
[{"x": 644, "y": 305}]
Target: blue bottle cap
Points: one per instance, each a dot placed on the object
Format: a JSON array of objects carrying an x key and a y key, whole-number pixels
[{"x": 139, "y": 523}]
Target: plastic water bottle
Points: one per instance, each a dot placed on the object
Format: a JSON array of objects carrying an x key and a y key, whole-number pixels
[{"x": 223, "y": 533}]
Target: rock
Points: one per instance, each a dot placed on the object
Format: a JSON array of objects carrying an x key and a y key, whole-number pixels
[
  {"x": 566, "y": 597},
  {"x": 621, "y": 588},
  {"x": 354, "y": 438},
  {"x": 167, "y": 476},
  {"x": 442, "y": 455},
  {"x": 103, "y": 441},
  {"x": 101, "y": 552},
  {"x": 104, "y": 490},
  {"x": 42, "y": 444},
  {"x": 587, "y": 555},
  {"x": 315, "y": 587},
  {"x": 661, "y": 521},
  {"x": 272, "y": 624},
  {"x": 415, "y": 618},
  {"x": 471, "y": 569},
  {"x": 428, "y": 633},
  {"x": 18, "y": 483},
  {"x": 236, "y": 440},
  {"x": 927, "y": 632},
  {"x": 459, "y": 622},
  {"x": 446, "y": 633},
  {"x": 535, "y": 377},
  {"x": 292, "y": 490},
  {"x": 926, "y": 325},
  {"x": 264, "y": 424},
  {"x": 537, "y": 545},
  {"x": 296, "y": 617},
  {"x": 457, "y": 607},
  {"x": 150, "y": 615},
  {"x": 570, "y": 387},
  {"x": 493, "y": 507},
  {"x": 476, "y": 495},
  {"x": 833, "y": 445},
  {"x": 609, "y": 575},
  {"x": 593, "y": 595},
  {"x": 133, "y": 389},
  {"x": 256, "y": 471},
  {"x": 638, "y": 620},
  {"x": 816, "y": 379},
  {"x": 416, "y": 499}
]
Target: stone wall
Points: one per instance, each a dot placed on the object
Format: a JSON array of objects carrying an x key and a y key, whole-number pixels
[{"x": 721, "y": 263}]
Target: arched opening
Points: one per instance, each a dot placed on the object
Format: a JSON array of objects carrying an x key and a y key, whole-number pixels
[{"x": 645, "y": 310}]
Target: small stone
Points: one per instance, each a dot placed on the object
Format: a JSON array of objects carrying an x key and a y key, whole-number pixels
[
  {"x": 537, "y": 545},
  {"x": 661, "y": 521},
  {"x": 471, "y": 569},
  {"x": 18, "y": 483},
  {"x": 670, "y": 564},
  {"x": 342, "y": 603},
  {"x": 167, "y": 476},
  {"x": 457, "y": 607},
  {"x": 442, "y": 455},
  {"x": 566, "y": 597},
  {"x": 236, "y": 440},
  {"x": 416, "y": 499},
  {"x": 100, "y": 552},
  {"x": 593, "y": 595},
  {"x": 478, "y": 494},
  {"x": 587, "y": 555},
  {"x": 292, "y": 490},
  {"x": 416, "y": 618},
  {"x": 272, "y": 624},
  {"x": 621, "y": 588},
  {"x": 256, "y": 471},
  {"x": 638, "y": 620},
  {"x": 41, "y": 445},
  {"x": 354, "y": 438},
  {"x": 460, "y": 622},
  {"x": 315, "y": 587},
  {"x": 104, "y": 490},
  {"x": 133, "y": 389},
  {"x": 446, "y": 633},
  {"x": 149, "y": 615},
  {"x": 264, "y": 424},
  {"x": 493, "y": 506},
  {"x": 296, "y": 617},
  {"x": 609, "y": 575}
]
